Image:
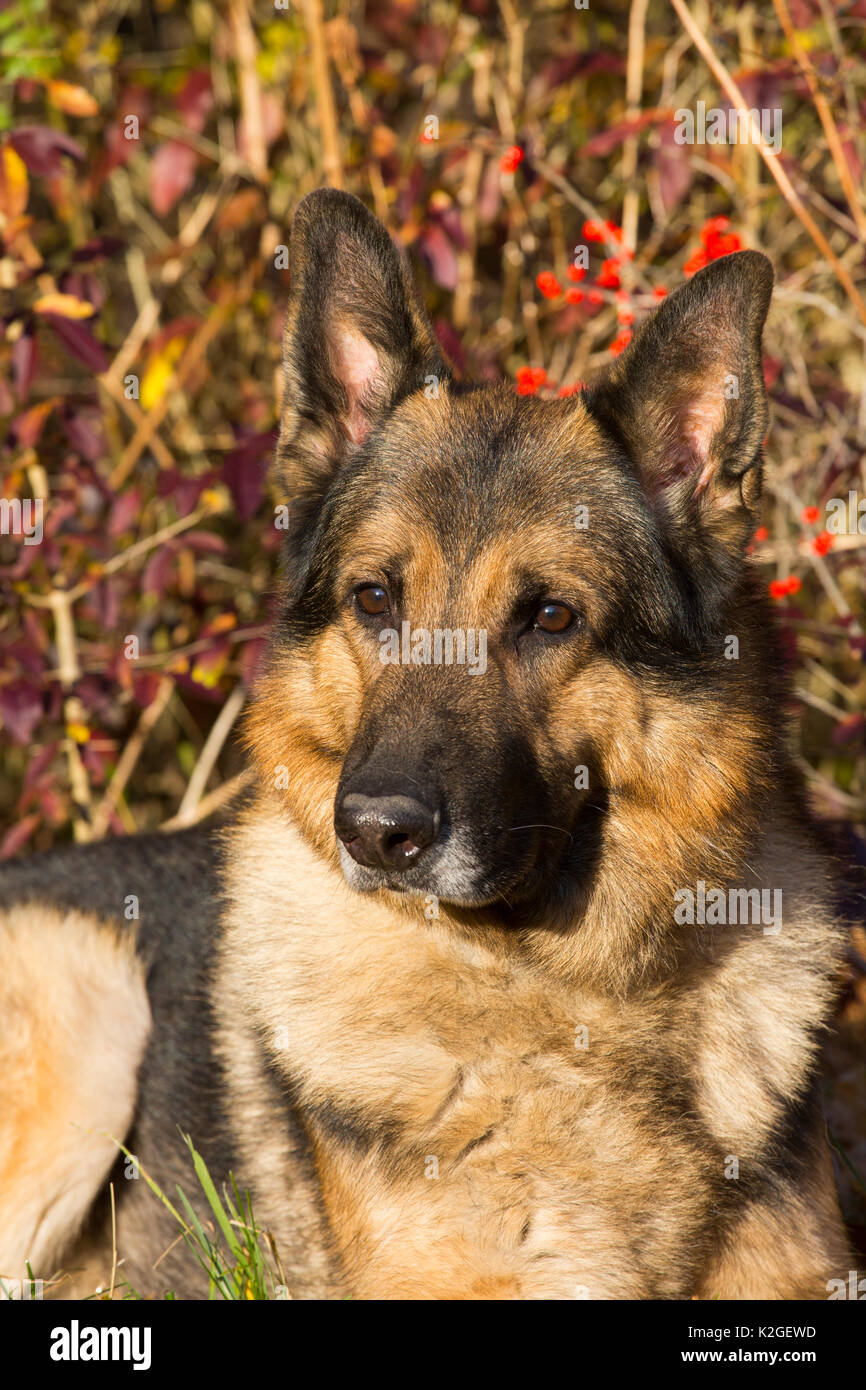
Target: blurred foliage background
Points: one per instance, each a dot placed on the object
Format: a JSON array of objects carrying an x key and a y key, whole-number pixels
[{"x": 151, "y": 155}]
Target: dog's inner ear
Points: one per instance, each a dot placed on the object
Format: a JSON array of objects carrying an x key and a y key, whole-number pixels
[
  {"x": 356, "y": 340},
  {"x": 357, "y": 366},
  {"x": 687, "y": 401}
]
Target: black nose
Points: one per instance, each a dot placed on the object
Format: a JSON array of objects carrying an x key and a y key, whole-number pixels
[{"x": 385, "y": 832}]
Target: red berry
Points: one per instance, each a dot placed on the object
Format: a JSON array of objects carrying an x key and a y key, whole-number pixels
[
  {"x": 822, "y": 543},
  {"x": 548, "y": 284},
  {"x": 510, "y": 160}
]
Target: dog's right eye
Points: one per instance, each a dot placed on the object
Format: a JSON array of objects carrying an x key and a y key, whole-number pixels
[{"x": 372, "y": 599}]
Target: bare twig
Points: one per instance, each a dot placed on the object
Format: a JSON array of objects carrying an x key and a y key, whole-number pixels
[
  {"x": 633, "y": 92},
  {"x": 210, "y": 753},
  {"x": 246, "y": 48},
  {"x": 208, "y": 804},
  {"x": 331, "y": 163},
  {"x": 129, "y": 757}
]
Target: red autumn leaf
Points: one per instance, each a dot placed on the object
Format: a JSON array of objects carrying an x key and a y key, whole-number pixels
[
  {"x": 194, "y": 101},
  {"x": 172, "y": 171}
]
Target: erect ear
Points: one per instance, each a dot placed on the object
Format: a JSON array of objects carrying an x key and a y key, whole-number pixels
[
  {"x": 686, "y": 400},
  {"x": 356, "y": 340}
]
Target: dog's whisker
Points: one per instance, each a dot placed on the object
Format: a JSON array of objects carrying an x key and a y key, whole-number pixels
[{"x": 540, "y": 825}]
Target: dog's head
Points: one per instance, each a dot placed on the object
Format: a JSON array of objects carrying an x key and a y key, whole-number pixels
[{"x": 501, "y": 651}]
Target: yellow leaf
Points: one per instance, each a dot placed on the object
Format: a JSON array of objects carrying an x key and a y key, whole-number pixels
[
  {"x": 209, "y": 668},
  {"x": 67, "y": 305},
  {"x": 14, "y": 184},
  {"x": 160, "y": 370},
  {"x": 68, "y": 97},
  {"x": 214, "y": 499}
]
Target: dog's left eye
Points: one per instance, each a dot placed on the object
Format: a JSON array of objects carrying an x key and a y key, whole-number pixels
[
  {"x": 553, "y": 617},
  {"x": 372, "y": 599}
]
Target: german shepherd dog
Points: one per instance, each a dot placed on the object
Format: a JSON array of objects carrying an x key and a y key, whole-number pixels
[{"x": 479, "y": 995}]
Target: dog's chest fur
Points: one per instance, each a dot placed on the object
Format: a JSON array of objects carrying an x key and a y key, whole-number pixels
[{"x": 479, "y": 1129}]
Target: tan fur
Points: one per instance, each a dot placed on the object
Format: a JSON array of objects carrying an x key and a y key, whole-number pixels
[
  {"x": 75, "y": 1022},
  {"x": 554, "y": 1178},
  {"x": 784, "y": 1255}
]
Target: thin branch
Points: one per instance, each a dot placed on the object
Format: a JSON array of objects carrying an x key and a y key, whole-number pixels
[
  {"x": 128, "y": 759},
  {"x": 210, "y": 753},
  {"x": 208, "y": 804},
  {"x": 331, "y": 163},
  {"x": 246, "y": 48},
  {"x": 633, "y": 93}
]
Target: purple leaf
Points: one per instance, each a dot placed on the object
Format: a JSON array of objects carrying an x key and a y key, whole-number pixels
[
  {"x": 84, "y": 432},
  {"x": 79, "y": 342},
  {"x": 98, "y": 248},
  {"x": 125, "y": 513},
  {"x": 41, "y": 147},
  {"x": 157, "y": 570},
  {"x": 205, "y": 542},
  {"x": 243, "y": 472},
  {"x": 39, "y": 763},
  {"x": 20, "y": 709},
  {"x": 16, "y": 838},
  {"x": 674, "y": 165},
  {"x": 440, "y": 256},
  {"x": 849, "y": 729},
  {"x": 25, "y": 356}
]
